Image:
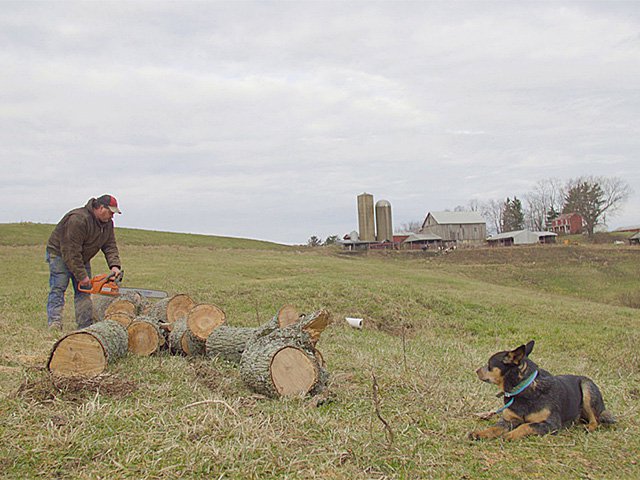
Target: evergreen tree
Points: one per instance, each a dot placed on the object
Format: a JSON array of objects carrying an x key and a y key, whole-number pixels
[
  {"x": 314, "y": 241},
  {"x": 512, "y": 215},
  {"x": 587, "y": 199},
  {"x": 552, "y": 214}
]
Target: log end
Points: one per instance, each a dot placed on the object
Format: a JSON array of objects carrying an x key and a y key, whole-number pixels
[
  {"x": 143, "y": 338},
  {"x": 293, "y": 373},
  {"x": 204, "y": 319},
  {"x": 78, "y": 354}
]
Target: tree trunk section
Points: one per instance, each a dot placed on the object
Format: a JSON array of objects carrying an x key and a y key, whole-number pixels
[
  {"x": 228, "y": 343},
  {"x": 104, "y": 305},
  {"x": 285, "y": 362},
  {"x": 87, "y": 352},
  {"x": 286, "y": 316},
  {"x": 202, "y": 320},
  {"x": 169, "y": 310},
  {"x": 145, "y": 336},
  {"x": 123, "y": 318},
  {"x": 176, "y": 339},
  {"x": 278, "y": 368}
]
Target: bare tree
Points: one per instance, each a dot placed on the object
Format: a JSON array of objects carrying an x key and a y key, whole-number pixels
[
  {"x": 547, "y": 196},
  {"x": 492, "y": 211},
  {"x": 412, "y": 226}
]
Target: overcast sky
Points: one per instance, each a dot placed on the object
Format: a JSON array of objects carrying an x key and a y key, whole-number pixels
[{"x": 266, "y": 119}]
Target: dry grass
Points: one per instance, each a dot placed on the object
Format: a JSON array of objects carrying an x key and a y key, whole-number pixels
[{"x": 429, "y": 323}]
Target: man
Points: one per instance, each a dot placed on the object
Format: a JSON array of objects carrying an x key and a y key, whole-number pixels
[{"x": 77, "y": 238}]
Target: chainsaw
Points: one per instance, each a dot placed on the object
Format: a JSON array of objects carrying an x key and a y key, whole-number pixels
[{"x": 109, "y": 284}]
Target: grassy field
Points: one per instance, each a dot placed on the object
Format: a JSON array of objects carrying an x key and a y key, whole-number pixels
[{"x": 429, "y": 322}]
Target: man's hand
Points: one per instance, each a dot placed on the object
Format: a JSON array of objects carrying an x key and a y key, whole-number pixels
[
  {"x": 116, "y": 270},
  {"x": 85, "y": 283}
]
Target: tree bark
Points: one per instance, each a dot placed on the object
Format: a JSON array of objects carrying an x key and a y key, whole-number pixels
[
  {"x": 285, "y": 362},
  {"x": 176, "y": 340},
  {"x": 87, "y": 352},
  {"x": 228, "y": 342}
]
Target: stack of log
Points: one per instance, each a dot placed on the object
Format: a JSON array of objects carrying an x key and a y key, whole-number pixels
[{"x": 278, "y": 358}]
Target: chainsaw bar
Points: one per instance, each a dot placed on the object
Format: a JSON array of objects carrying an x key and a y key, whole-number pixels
[{"x": 143, "y": 292}]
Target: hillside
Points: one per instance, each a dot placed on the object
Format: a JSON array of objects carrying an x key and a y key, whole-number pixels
[
  {"x": 429, "y": 323},
  {"x": 37, "y": 233}
]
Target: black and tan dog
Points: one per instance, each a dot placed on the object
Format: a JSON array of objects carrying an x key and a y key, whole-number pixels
[{"x": 536, "y": 402}]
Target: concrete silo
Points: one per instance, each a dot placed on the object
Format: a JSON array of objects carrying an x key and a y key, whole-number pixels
[
  {"x": 384, "y": 226},
  {"x": 365, "y": 217}
]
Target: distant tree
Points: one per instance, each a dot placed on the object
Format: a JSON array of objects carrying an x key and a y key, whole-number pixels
[
  {"x": 330, "y": 240},
  {"x": 491, "y": 211},
  {"x": 412, "y": 226},
  {"x": 314, "y": 241},
  {"x": 512, "y": 215},
  {"x": 552, "y": 214},
  {"x": 474, "y": 205},
  {"x": 593, "y": 197},
  {"x": 546, "y": 196}
]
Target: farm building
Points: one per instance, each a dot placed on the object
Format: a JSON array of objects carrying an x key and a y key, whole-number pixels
[
  {"x": 455, "y": 227},
  {"x": 567, "y": 224},
  {"x": 422, "y": 241},
  {"x": 629, "y": 228},
  {"x": 522, "y": 237},
  {"x": 634, "y": 239}
]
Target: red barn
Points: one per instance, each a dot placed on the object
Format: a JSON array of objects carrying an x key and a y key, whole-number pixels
[{"x": 567, "y": 224}]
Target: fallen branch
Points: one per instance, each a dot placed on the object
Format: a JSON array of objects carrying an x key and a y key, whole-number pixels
[{"x": 376, "y": 404}]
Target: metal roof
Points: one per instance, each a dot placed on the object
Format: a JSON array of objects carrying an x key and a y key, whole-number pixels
[
  {"x": 637, "y": 235},
  {"x": 421, "y": 237},
  {"x": 522, "y": 236},
  {"x": 445, "y": 218},
  {"x": 629, "y": 228}
]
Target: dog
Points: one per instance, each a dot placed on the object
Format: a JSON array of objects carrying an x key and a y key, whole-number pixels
[{"x": 536, "y": 402}]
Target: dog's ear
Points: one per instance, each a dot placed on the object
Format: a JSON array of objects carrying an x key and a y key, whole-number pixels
[
  {"x": 529, "y": 347},
  {"x": 514, "y": 357}
]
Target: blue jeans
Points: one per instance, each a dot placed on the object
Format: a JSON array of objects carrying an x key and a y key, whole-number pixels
[{"x": 59, "y": 276}]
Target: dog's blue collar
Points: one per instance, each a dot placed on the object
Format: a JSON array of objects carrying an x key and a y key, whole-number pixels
[
  {"x": 519, "y": 389},
  {"x": 522, "y": 385}
]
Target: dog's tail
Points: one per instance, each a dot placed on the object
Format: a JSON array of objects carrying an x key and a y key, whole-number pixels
[{"x": 607, "y": 418}]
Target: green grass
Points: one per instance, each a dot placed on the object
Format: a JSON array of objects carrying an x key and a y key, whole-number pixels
[{"x": 429, "y": 323}]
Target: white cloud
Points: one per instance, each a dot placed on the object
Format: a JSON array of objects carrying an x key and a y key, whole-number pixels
[{"x": 266, "y": 120}]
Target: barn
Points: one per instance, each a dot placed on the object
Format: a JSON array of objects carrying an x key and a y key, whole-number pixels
[
  {"x": 521, "y": 237},
  {"x": 456, "y": 227},
  {"x": 634, "y": 239}
]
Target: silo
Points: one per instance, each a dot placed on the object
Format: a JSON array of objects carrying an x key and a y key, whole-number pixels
[
  {"x": 365, "y": 217},
  {"x": 384, "y": 227}
]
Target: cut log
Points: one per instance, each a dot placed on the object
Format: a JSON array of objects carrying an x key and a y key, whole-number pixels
[
  {"x": 278, "y": 368},
  {"x": 87, "y": 352},
  {"x": 286, "y": 316},
  {"x": 169, "y": 310},
  {"x": 285, "y": 362},
  {"x": 123, "y": 318},
  {"x": 228, "y": 343},
  {"x": 176, "y": 339},
  {"x": 104, "y": 305},
  {"x": 145, "y": 336},
  {"x": 202, "y": 320}
]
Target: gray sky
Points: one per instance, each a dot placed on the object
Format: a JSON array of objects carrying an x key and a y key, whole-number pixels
[{"x": 266, "y": 119}]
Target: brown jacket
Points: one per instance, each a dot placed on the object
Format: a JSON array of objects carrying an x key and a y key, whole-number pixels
[{"x": 79, "y": 236}]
